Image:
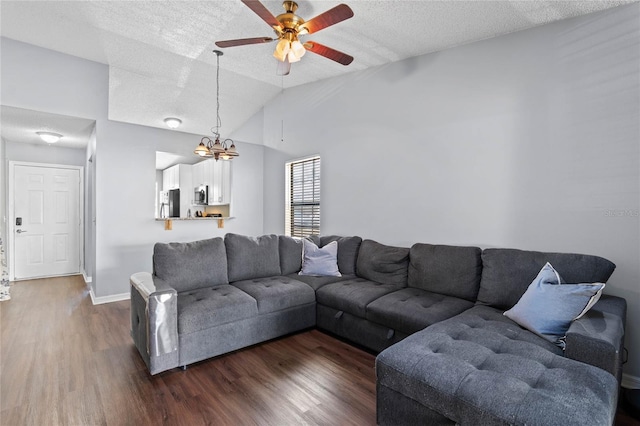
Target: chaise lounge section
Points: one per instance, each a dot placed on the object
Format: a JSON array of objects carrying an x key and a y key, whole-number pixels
[{"x": 448, "y": 354}]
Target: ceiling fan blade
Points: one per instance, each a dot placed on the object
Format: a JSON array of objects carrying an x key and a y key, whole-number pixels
[
  {"x": 327, "y": 52},
  {"x": 243, "y": 41},
  {"x": 331, "y": 17},
  {"x": 262, "y": 12}
]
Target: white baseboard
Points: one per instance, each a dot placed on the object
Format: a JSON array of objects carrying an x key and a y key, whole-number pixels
[
  {"x": 630, "y": 382},
  {"x": 108, "y": 299},
  {"x": 86, "y": 278}
]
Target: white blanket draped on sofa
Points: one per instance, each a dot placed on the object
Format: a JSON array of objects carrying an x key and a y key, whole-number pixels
[{"x": 4, "y": 274}]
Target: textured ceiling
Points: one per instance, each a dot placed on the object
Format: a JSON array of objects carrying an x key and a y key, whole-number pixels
[
  {"x": 160, "y": 58},
  {"x": 21, "y": 125}
]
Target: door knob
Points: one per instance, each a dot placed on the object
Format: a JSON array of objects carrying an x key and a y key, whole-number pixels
[{"x": 20, "y": 231}]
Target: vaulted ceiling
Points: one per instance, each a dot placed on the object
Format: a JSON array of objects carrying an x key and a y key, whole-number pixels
[{"x": 160, "y": 52}]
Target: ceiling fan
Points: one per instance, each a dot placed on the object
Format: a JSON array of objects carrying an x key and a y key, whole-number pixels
[{"x": 288, "y": 27}]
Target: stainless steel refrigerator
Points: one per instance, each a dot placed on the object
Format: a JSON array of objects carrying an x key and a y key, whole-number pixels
[{"x": 174, "y": 203}]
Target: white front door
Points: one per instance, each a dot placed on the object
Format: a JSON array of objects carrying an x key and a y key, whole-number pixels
[{"x": 46, "y": 221}]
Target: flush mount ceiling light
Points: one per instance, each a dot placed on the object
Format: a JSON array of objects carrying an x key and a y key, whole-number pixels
[
  {"x": 288, "y": 26},
  {"x": 172, "y": 122},
  {"x": 214, "y": 148},
  {"x": 49, "y": 137}
]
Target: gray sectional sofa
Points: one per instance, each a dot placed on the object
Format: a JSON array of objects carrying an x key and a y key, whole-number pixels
[{"x": 448, "y": 355}]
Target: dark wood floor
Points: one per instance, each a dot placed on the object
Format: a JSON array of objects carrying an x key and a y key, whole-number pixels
[{"x": 65, "y": 361}]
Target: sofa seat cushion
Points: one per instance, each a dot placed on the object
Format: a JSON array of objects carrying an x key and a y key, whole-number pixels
[
  {"x": 316, "y": 282},
  {"x": 277, "y": 293},
  {"x": 209, "y": 307},
  {"x": 354, "y": 295},
  {"x": 477, "y": 369},
  {"x": 412, "y": 309}
]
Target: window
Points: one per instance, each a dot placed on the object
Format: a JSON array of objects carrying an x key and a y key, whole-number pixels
[{"x": 302, "y": 212}]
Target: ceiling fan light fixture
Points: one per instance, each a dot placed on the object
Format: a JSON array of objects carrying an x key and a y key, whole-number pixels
[
  {"x": 283, "y": 68},
  {"x": 298, "y": 49},
  {"x": 289, "y": 27},
  {"x": 282, "y": 49},
  {"x": 49, "y": 137},
  {"x": 291, "y": 57}
]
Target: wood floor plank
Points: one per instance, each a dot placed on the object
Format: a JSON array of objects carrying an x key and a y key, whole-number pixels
[{"x": 64, "y": 361}]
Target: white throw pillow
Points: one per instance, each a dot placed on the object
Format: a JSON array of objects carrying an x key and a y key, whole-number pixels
[{"x": 320, "y": 261}]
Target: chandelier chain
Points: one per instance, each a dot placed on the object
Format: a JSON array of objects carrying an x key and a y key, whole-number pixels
[
  {"x": 208, "y": 147},
  {"x": 218, "y": 120}
]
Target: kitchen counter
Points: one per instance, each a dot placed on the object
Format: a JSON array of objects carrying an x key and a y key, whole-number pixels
[
  {"x": 168, "y": 222},
  {"x": 193, "y": 218}
]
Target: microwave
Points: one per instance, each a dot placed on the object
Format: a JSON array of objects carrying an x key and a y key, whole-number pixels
[{"x": 201, "y": 195}]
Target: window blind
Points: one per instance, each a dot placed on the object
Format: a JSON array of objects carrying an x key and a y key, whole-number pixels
[{"x": 304, "y": 198}]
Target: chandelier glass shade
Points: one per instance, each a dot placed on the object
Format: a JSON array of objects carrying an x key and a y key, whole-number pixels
[{"x": 210, "y": 148}]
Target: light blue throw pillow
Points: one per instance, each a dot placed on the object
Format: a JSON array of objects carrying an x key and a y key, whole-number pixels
[
  {"x": 320, "y": 261},
  {"x": 549, "y": 305}
]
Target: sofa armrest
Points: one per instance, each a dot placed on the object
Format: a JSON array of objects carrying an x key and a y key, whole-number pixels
[
  {"x": 154, "y": 321},
  {"x": 598, "y": 337}
]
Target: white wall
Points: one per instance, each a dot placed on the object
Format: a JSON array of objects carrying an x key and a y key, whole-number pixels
[
  {"x": 123, "y": 164},
  {"x": 127, "y": 233},
  {"x": 3, "y": 192},
  {"x": 90, "y": 210},
  {"x": 48, "y": 154},
  {"x": 528, "y": 140}
]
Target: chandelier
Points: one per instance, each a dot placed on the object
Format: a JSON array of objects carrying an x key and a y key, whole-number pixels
[{"x": 208, "y": 147}]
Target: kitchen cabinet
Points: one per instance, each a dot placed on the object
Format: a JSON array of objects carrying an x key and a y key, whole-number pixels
[
  {"x": 198, "y": 173},
  {"x": 216, "y": 175},
  {"x": 171, "y": 177},
  {"x": 220, "y": 186},
  {"x": 177, "y": 177},
  {"x": 180, "y": 177},
  {"x": 225, "y": 182}
]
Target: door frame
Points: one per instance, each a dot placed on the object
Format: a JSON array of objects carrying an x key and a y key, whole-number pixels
[{"x": 11, "y": 228}]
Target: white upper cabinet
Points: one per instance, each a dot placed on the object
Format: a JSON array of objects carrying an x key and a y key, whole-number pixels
[
  {"x": 217, "y": 175},
  {"x": 198, "y": 173},
  {"x": 176, "y": 177},
  {"x": 220, "y": 182},
  {"x": 171, "y": 178}
]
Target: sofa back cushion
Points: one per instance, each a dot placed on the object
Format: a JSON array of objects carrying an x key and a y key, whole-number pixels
[
  {"x": 290, "y": 250},
  {"x": 252, "y": 257},
  {"x": 348, "y": 248},
  {"x": 189, "y": 266},
  {"x": 507, "y": 273},
  {"x": 383, "y": 264},
  {"x": 449, "y": 270}
]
